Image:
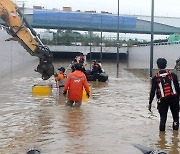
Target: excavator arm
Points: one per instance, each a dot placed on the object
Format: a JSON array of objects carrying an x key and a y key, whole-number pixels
[{"x": 19, "y": 28}]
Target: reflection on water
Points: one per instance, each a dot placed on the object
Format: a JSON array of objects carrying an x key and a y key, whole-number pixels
[
  {"x": 76, "y": 127},
  {"x": 169, "y": 142},
  {"x": 115, "y": 118}
]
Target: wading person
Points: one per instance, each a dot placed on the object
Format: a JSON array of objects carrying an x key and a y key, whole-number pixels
[
  {"x": 61, "y": 78},
  {"x": 166, "y": 87},
  {"x": 74, "y": 86}
]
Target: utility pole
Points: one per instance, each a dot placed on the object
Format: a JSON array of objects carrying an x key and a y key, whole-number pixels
[
  {"x": 21, "y": 4},
  {"x": 90, "y": 48},
  {"x": 101, "y": 39},
  {"x": 152, "y": 38},
  {"x": 90, "y": 42},
  {"x": 118, "y": 38}
]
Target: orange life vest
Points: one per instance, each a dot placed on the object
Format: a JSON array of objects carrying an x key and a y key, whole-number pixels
[{"x": 61, "y": 76}]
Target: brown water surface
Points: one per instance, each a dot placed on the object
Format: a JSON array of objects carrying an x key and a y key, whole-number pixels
[{"x": 115, "y": 118}]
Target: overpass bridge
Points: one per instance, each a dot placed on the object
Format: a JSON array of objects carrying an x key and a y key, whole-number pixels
[{"x": 82, "y": 21}]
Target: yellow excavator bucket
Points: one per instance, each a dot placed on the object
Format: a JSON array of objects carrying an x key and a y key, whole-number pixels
[{"x": 41, "y": 90}]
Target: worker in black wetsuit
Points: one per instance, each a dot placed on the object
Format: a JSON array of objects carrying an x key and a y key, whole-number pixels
[
  {"x": 166, "y": 87},
  {"x": 96, "y": 67}
]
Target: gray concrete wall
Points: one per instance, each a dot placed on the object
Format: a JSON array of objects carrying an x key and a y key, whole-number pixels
[
  {"x": 139, "y": 57},
  {"x": 12, "y": 54}
]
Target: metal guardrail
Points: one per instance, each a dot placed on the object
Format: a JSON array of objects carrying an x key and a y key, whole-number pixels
[
  {"x": 86, "y": 49},
  {"x": 161, "y": 43}
]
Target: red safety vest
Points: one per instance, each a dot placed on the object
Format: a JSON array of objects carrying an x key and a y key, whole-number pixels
[{"x": 165, "y": 85}]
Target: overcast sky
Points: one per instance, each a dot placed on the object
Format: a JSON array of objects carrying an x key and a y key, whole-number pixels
[
  {"x": 167, "y": 8},
  {"x": 143, "y": 7}
]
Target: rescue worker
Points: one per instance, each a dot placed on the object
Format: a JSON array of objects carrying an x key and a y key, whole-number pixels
[
  {"x": 96, "y": 67},
  {"x": 74, "y": 86},
  {"x": 96, "y": 70},
  {"x": 80, "y": 58},
  {"x": 82, "y": 62},
  {"x": 71, "y": 66},
  {"x": 60, "y": 78},
  {"x": 165, "y": 85},
  {"x": 177, "y": 66}
]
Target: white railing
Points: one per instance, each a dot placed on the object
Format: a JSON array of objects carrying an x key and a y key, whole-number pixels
[{"x": 161, "y": 43}]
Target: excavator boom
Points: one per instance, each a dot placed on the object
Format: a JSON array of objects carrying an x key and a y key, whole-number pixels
[{"x": 19, "y": 28}]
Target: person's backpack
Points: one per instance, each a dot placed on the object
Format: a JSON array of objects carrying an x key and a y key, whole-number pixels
[{"x": 165, "y": 85}]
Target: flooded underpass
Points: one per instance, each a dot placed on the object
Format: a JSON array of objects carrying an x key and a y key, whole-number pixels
[{"x": 115, "y": 118}]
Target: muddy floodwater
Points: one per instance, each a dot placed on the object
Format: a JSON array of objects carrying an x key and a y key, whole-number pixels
[{"x": 115, "y": 118}]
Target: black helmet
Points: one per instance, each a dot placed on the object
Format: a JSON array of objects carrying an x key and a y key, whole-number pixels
[
  {"x": 78, "y": 66},
  {"x": 161, "y": 63},
  {"x": 61, "y": 69}
]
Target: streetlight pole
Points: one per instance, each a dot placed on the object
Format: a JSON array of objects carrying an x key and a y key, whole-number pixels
[
  {"x": 118, "y": 38},
  {"x": 152, "y": 38},
  {"x": 101, "y": 39},
  {"x": 90, "y": 48},
  {"x": 90, "y": 34}
]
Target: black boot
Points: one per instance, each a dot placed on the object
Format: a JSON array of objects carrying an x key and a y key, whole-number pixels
[{"x": 175, "y": 125}]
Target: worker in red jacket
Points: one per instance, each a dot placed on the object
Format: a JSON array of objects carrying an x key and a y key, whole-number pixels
[{"x": 74, "y": 86}]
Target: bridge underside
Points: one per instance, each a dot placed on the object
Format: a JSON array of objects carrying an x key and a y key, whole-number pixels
[{"x": 94, "y": 55}]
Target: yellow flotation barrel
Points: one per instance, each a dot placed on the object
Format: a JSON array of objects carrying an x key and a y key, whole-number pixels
[{"x": 41, "y": 90}]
